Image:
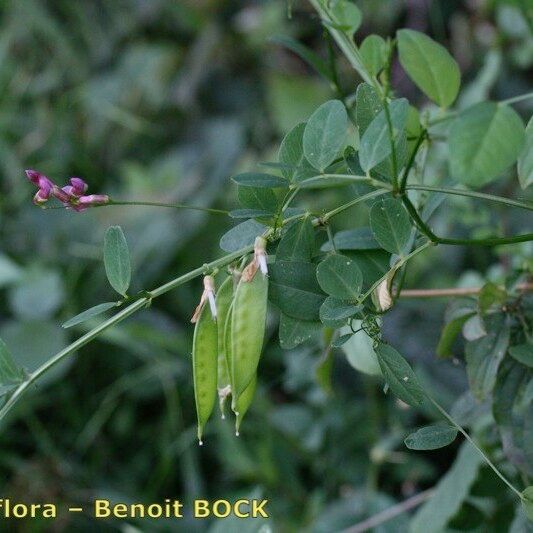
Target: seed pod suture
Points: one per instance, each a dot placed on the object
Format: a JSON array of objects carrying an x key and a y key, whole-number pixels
[
  {"x": 205, "y": 367},
  {"x": 224, "y": 298}
]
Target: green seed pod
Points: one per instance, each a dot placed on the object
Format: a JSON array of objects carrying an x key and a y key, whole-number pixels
[
  {"x": 223, "y": 302},
  {"x": 204, "y": 364},
  {"x": 247, "y": 331},
  {"x": 243, "y": 403}
]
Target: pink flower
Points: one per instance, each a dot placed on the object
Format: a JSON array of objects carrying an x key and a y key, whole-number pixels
[
  {"x": 71, "y": 196},
  {"x": 84, "y": 202},
  {"x": 77, "y": 187}
]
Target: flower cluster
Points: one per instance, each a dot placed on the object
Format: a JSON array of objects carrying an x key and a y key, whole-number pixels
[{"x": 71, "y": 196}]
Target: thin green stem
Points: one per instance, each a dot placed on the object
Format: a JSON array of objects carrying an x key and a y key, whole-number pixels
[
  {"x": 516, "y": 99},
  {"x": 417, "y": 219},
  {"x": 349, "y": 178},
  {"x": 162, "y": 204},
  {"x": 471, "y": 441},
  {"x": 493, "y": 241},
  {"x": 420, "y": 139},
  {"x": 289, "y": 198},
  {"x": 426, "y": 230},
  {"x": 355, "y": 201},
  {"x": 149, "y": 204},
  {"x": 473, "y": 194}
]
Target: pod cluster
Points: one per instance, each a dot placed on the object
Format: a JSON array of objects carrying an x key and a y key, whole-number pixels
[{"x": 228, "y": 340}]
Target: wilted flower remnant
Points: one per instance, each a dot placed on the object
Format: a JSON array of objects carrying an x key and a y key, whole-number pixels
[{"x": 71, "y": 196}]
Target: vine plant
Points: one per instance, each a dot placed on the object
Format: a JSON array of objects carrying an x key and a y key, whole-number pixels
[{"x": 331, "y": 286}]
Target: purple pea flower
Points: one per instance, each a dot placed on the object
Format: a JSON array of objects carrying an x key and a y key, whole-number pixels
[
  {"x": 77, "y": 187},
  {"x": 71, "y": 196},
  {"x": 88, "y": 201}
]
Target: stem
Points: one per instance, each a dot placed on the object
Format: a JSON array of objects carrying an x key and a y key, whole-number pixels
[
  {"x": 116, "y": 319},
  {"x": 162, "y": 204},
  {"x": 518, "y": 98},
  {"x": 420, "y": 224},
  {"x": 342, "y": 177},
  {"x": 495, "y": 241},
  {"x": 454, "y": 292},
  {"x": 425, "y": 229},
  {"x": 150, "y": 204},
  {"x": 474, "y": 194},
  {"x": 343, "y": 207},
  {"x": 411, "y": 161},
  {"x": 471, "y": 441}
]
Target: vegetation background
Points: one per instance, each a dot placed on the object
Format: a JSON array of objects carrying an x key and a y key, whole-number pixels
[{"x": 164, "y": 100}]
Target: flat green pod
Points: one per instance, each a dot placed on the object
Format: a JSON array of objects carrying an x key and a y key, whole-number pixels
[
  {"x": 205, "y": 367},
  {"x": 247, "y": 331}
]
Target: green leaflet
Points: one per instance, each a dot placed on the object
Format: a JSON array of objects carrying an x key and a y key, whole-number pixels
[
  {"x": 294, "y": 289},
  {"x": 352, "y": 239},
  {"x": 484, "y": 141},
  {"x": 391, "y": 225},
  {"x": 340, "y": 277},
  {"x": 89, "y": 313},
  {"x": 293, "y": 331},
  {"x": 523, "y": 353},
  {"x": 298, "y": 242},
  {"x": 117, "y": 259},
  {"x": 431, "y": 437},
  {"x": 325, "y": 134},
  {"x": 375, "y": 143},
  {"x": 335, "y": 312},
  {"x": 347, "y": 16},
  {"x": 430, "y": 66},
  {"x": 241, "y": 235},
  {"x": 367, "y": 106},
  {"x": 399, "y": 375},
  {"x": 373, "y": 51}
]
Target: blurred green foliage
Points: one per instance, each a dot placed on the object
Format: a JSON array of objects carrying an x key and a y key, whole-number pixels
[{"x": 162, "y": 101}]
